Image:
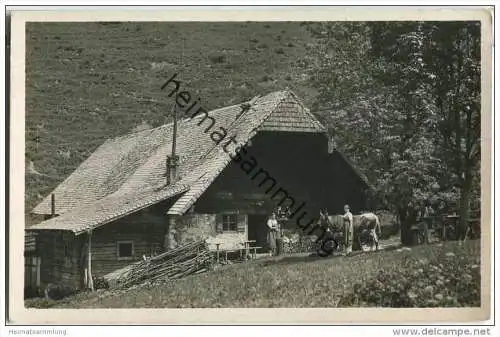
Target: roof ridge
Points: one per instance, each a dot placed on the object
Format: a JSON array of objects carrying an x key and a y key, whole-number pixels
[
  {"x": 140, "y": 203},
  {"x": 238, "y": 118},
  {"x": 227, "y": 114},
  {"x": 196, "y": 189},
  {"x": 189, "y": 118}
]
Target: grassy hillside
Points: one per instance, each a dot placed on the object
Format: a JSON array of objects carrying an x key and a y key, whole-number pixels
[
  {"x": 431, "y": 275},
  {"x": 86, "y": 82}
]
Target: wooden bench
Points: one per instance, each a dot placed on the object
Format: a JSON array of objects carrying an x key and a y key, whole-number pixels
[
  {"x": 218, "y": 251},
  {"x": 246, "y": 248},
  {"x": 226, "y": 251},
  {"x": 254, "y": 255}
]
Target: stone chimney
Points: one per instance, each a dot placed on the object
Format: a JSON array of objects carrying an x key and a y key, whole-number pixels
[
  {"x": 173, "y": 159},
  {"x": 172, "y": 168},
  {"x": 52, "y": 205},
  {"x": 331, "y": 144}
]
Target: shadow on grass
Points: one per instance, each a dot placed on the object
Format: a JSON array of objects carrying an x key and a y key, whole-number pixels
[{"x": 313, "y": 257}]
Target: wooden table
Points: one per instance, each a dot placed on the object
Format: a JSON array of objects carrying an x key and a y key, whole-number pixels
[
  {"x": 473, "y": 227},
  {"x": 217, "y": 244},
  {"x": 246, "y": 245},
  {"x": 450, "y": 218}
]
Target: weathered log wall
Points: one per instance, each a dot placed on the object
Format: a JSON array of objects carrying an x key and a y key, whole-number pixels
[
  {"x": 59, "y": 253},
  {"x": 145, "y": 230}
]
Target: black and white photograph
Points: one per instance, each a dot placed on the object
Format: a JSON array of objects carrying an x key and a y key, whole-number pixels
[{"x": 256, "y": 164}]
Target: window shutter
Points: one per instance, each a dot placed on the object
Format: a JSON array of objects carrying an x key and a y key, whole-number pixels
[
  {"x": 218, "y": 223},
  {"x": 242, "y": 222}
]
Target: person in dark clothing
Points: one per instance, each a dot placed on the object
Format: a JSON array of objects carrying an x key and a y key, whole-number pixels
[
  {"x": 425, "y": 221},
  {"x": 328, "y": 241},
  {"x": 412, "y": 218}
]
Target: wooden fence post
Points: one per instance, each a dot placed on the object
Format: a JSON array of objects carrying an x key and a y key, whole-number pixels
[
  {"x": 91, "y": 281},
  {"x": 38, "y": 267}
]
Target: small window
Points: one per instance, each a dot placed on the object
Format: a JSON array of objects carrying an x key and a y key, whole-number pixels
[
  {"x": 229, "y": 222},
  {"x": 125, "y": 250}
]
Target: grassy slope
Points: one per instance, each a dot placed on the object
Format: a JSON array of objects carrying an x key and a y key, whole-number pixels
[
  {"x": 86, "y": 82},
  {"x": 290, "y": 282}
]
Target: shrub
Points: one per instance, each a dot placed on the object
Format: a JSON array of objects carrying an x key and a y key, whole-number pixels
[
  {"x": 447, "y": 281},
  {"x": 100, "y": 282},
  {"x": 217, "y": 58},
  {"x": 266, "y": 78},
  {"x": 59, "y": 291},
  {"x": 31, "y": 292},
  {"x": 280, "y": 51},
  {"x": 108, "y": 23},
  {"x": 297, "y": 243},
  {"x": 39, "y": 303}
]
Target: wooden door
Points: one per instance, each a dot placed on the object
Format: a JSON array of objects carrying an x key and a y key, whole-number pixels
[{"x": 257, "y": 230}]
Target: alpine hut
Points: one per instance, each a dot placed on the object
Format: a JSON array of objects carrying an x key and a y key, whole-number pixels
[{"x": 231, "y": 167}]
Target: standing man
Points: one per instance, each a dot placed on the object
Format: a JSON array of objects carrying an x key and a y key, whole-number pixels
[
  {"x": 348, "y": 230},
  {"x": 427, "y": 219}
]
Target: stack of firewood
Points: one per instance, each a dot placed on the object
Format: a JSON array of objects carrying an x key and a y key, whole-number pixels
[{"x": 176, "y": 263}]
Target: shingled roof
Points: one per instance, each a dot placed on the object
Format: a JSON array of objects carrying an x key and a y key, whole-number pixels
[{"x": 128, "y": 173}]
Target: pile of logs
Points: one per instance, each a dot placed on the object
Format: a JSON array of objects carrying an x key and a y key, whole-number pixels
[{"x": 176, "y": 263}]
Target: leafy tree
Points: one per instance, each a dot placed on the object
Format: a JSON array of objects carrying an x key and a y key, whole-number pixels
[
  {"x": 398, "y": 98},
  {"x": 439, "y": 64}
]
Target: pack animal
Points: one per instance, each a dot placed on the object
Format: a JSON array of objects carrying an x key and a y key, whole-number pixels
[{"x": 370, "y": 230}]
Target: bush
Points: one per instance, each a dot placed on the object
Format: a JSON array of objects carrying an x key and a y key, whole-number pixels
[
  {"x": 39, "y": 303},
  {"x": 266, "y": 78},
  {"x": 108, "y": 23},
  {"x": 100, "y": 282},
  {"x": 31, "y": 292},
  {"x": 59, "y": 291},
  {"x": 280, "y": 51},
  {"x": 217, "y": 58},
  {"x": 299, "y": 243},
  {"x": 447, "y": 281}
]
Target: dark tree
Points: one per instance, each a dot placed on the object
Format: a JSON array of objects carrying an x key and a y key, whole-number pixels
[{"x": 403, "y": 100}]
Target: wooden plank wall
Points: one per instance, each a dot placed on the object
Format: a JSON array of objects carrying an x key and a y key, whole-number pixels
[
  {"x": 54, "y": 267},
  {"x": 29, "y": 242},
  {"x": 145, "y": 230}
]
